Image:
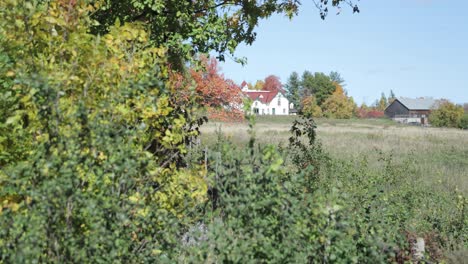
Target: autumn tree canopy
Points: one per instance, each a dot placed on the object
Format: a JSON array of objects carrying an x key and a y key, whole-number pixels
[
  {"x": 220, "y": 95},
  {"x": 310, "y": 108},
  {"x": 272, "y": 83},
  {"x": 338, "y": 105},
  {"x": 259, "y": 84}
]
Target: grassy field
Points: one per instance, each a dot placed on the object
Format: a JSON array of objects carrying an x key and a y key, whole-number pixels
[{"x": 437, "y": 156}]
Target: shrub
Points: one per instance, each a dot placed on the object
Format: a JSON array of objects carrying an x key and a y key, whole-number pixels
[
  {"x": 99, "y": 136},
  {"x": 387, "y": 199},
  {"x": 464, "y": 121},
  {"x": 447, "y": 115},
  {"x": 370, "y": 113},
  {"x": 260, "y": 211}
]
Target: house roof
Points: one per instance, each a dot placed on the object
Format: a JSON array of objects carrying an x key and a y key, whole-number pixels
[
  {"x": 422, "y": 103},
  {"x": 263, "y": 96}
]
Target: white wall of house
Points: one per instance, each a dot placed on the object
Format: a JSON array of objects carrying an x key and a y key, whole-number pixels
[{"x": 278, "y": 106}]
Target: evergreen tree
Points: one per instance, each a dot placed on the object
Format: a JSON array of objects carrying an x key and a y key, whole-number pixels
[
  {"x": 383, "y": 102},
  {"x": 293, "y": 87},
  {"x": 336, "y": 77},
  {"x": 319, "y": 85},
  {"x": 392, "y": 97}
]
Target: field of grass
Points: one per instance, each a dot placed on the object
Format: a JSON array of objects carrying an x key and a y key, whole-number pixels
[{"x": 437, "y": 156}]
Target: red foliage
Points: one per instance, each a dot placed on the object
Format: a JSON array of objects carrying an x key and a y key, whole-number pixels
[
  {"x": 369, "y": 113},
  {"x": 214, "y": 89},
  {"x": 272, "y": 83},
  {"x": 233, "y": 115},
  {"x": 220, "y": 96}
]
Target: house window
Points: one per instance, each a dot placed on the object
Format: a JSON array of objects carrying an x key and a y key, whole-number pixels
[
  {"x": 256, "y": 111},
  {"x": 284, "y": 110},
  {"x": 279, "y": 101},
  {"x": 256, "y": 103},
  {"x": 273, "y": 111},
  {"x": 263, "y": 111}
]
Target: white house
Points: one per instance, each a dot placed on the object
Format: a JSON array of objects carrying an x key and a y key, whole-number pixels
[{"x": 268, "y": 102}]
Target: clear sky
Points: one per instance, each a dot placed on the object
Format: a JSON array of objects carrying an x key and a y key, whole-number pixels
[{"x": 413, "y": 47}]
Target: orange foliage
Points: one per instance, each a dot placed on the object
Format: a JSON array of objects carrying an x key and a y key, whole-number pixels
[
  {"x": 338, "y": 105},
  {"x": 272, "y": 83},
  {"x": 220, "y": 96}
]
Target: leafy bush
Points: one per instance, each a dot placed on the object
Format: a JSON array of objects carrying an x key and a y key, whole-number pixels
[
  {"x": 369, "y": 113},
  {"x": 261, "y": 212},
  {"x": 447, "y": 115},
  {"x": 464, "y": 121},
  {"x": 98, "y": 137},
  {"x": 388, "y": 200}
]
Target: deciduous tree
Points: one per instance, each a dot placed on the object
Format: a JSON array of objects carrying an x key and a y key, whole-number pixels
[
  {"x": 272, "y": 83},
  {"x": 310, "y": 108},
  {"x": 259, "y": 85},
  {"x": 190, "y": 27},
  {"x": 221, "y": 96},
  {"x": 338, "y": 105}
]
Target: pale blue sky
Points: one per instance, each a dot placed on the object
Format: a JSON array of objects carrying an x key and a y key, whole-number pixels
[{"x": 414, "y": 47}]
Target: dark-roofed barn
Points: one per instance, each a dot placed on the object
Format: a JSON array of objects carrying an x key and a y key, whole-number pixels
[{"x": 408, "y": 110}]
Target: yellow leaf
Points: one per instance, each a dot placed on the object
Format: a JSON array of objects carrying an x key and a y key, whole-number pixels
[
  {"x": 50, "y": 20},
  {"x": 14, "y": 207},
  {"x": 12, "y": 119},
  {"x": 10, "y": 74},
  {"x": 28, "y": 5},
  {"x": 156, "y": 252}
]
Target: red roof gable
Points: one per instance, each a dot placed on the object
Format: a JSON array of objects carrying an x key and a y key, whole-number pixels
[{"x": 263, "y": 96}]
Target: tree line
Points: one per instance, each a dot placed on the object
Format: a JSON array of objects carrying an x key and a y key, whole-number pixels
[{"x": 322, "y": 95}]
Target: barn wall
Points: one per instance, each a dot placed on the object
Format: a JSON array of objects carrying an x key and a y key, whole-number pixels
[
  {"x": 396, "y": 109},
  {"x": 419, "y": 113}
]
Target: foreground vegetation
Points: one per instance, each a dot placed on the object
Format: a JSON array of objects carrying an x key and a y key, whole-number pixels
[
  {"x": 412, "y": 181},
  {"x": 99, "y": 160},
  {"x": 437, "y": 154}
]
